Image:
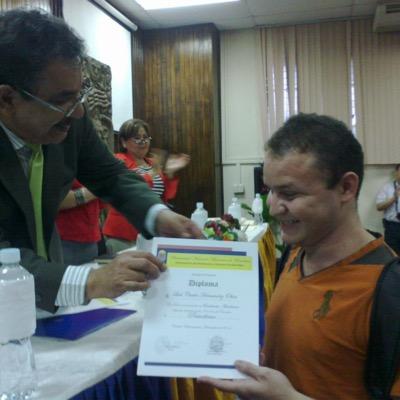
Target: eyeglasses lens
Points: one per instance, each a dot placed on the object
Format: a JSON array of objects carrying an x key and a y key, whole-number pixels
[
  {"x": 142, "y": 140},
  {"x": 86, "y": 88}
]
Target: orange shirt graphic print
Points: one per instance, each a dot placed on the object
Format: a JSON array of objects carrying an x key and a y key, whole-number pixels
[{"x": 321, "y": 312}]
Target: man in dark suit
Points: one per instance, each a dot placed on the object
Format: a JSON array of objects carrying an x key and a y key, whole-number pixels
[{"x": 41, "y": 112}]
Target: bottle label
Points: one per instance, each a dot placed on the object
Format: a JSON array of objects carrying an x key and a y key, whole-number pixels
[
  {"x": 235, "y": 210},
  {"x": 257, "y": 206},
  {"x": 17, "y": 309},
  {"x": 199, "y": 218}
]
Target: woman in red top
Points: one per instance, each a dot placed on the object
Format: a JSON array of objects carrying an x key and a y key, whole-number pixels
[
  {"x": 78, "y": 225},
  {"x": 135, "y": 142}
]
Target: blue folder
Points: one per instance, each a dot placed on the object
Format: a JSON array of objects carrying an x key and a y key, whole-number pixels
[{"x": 75, "y": 326}]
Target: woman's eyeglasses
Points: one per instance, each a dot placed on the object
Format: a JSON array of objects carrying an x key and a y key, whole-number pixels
[{"x": 141, "y": 140}]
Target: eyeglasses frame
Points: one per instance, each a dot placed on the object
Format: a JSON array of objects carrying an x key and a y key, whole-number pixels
[
  {"x": 66, "y": 113},
  {"x": 145, "y": 140}
]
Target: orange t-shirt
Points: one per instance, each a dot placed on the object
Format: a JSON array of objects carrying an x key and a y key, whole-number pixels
[{"x": 318, "y": 326}]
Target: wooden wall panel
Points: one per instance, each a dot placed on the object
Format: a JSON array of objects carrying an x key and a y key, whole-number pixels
[
  {"x": 181, "y": 103},
  {"x": 137, "y": 73}
]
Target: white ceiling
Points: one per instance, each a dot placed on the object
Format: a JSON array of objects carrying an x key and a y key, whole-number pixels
[{"x": 246, "y": 13}]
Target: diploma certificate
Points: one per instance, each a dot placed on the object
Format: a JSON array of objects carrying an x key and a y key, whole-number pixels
[{"x": 202, "y": 314}]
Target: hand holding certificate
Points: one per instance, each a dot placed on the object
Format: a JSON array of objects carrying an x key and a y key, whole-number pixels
[{"x": 202, "y": 313}]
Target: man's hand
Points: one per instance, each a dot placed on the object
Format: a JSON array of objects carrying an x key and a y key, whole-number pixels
[
  {"x": 171, "y": 224},
  {"x": 262, "y": 384},
  {"x": 131, "y": 270}
]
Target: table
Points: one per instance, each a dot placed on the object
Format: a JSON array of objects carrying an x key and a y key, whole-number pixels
[{"x": 67, "y": 368}]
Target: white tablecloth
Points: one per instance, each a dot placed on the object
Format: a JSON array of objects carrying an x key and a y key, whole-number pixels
[{"x": 66, "y": 368}]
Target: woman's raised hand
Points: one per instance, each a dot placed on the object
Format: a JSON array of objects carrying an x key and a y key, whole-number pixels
[{"x": 176, "y": 162}]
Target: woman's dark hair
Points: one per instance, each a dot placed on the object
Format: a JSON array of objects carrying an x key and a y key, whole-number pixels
[
  {"x": 130, "y": 128},
  {"x": 333, "y": 145},
  {"x": 29, "y": 41}
]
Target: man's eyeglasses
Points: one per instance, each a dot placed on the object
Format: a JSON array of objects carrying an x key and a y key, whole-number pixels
[
  {"x": 86, "y": 88},
  {"x": 142, "y": 140}
]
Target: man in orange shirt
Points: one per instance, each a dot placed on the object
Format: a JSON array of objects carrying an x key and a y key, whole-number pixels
[{"x": 319, "y": 318}]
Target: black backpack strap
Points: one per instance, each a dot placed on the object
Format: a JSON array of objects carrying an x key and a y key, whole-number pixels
[
  {"x": 280, "y": 265},
  {"x": 384, "y": 344}
]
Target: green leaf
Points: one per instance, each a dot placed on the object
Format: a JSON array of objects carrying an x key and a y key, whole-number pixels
[{"x": 247, "y": 208}]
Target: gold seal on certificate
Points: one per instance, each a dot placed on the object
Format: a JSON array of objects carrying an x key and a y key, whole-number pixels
[{"x": 202, "y": 314}]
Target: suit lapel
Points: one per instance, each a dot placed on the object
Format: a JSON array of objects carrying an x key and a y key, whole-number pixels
[{"x": 13, "y": 178}]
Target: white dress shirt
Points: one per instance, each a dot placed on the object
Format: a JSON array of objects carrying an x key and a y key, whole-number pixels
[{"x": 386, "y": 193}]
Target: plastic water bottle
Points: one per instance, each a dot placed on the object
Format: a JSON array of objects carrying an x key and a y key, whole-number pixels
[
  {"x": 17, "y": 325},
  {"x": 235, "y": 209},
  {"x": 200, "y": 215},
  {"x": 257, "y": 208}
]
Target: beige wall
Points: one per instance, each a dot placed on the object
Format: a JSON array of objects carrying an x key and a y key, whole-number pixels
[
  {"x": 110, "y": 43},
  {"x": 242, "y": 139}
]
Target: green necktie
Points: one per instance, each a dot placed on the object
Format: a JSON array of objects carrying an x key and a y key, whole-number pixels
[{"x": 35, "y": 186}]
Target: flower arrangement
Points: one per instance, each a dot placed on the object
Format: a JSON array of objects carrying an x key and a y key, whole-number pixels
[{"x": 227, "y": 228}]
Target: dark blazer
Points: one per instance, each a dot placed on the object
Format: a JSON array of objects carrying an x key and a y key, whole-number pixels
[{"x": 81, "y": 155}]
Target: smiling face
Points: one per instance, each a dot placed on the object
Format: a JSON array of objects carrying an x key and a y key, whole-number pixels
[
  {"x": 59, "y": 84},
  {"x": 306, "y": 209}
]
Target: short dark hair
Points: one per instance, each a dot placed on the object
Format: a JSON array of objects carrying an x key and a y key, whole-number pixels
[
  {"x": 333, "y": 145},
  {"x": 29, "y": 41},
  {"x": 130, "y": 128},
  {"x": 397, "y": 167}
]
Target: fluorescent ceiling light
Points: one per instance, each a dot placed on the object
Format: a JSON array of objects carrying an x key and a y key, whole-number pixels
[{"x": 159, "y": 4}]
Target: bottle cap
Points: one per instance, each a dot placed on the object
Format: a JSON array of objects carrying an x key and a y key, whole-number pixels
[
  {"x": 199, "y": 204},
  {"x": 257, "y": 195},
  {"x": 8, "y": 256},
  {"x": 234, "y": 199}
]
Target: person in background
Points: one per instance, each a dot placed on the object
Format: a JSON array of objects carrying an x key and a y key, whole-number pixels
[
  {"x": 46, "y": 141},
  {"x": 79, "y": 226},
  {"x": 387, "y": 201},
  {"x": 318, "y": 319},
  {"x": 135, "y": 142}
]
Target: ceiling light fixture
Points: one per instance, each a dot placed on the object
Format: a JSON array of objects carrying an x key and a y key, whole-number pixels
[{"x": 161, "y": 4}]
